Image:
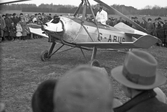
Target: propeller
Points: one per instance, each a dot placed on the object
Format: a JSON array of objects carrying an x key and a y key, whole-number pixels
[
  {"x": 3, "y": 3},
  {"x": 137, "y": 26}
]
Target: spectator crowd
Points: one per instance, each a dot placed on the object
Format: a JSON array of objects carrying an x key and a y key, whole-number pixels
[
  {"x": 14, "y": 26},
  {"x": 157, "y": 27}
]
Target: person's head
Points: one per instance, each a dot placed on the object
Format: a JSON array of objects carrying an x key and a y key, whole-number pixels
[
  {"x": 149, "y": 20},
  {"x": 42, "y": 100},
  {"x": 56, "y": 19},
  {"x": 99, "y": 7},
  {"x": 22, "y": 19},
  {"x": 165, "y": 21},
  {"x": 21, "y": 15},
  {"x": 159, "y": 19},
  {"x": 84, "y": 89},
  {"x": 6, "y": 15},
  {"x": 14, "y": 14},
  {"x": 3, "y": 16},
  {"x": 156, "y": 20},
  {"x": 138, "y": 73},
  {"x": 120, "y": 19}
]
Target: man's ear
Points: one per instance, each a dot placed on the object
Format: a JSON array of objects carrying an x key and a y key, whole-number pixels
[{"x": 130, "y": 92}]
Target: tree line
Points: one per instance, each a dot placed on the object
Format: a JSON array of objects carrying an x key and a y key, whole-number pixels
[{"x": 127, "y": 10}]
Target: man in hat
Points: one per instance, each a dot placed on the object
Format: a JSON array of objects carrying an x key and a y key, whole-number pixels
[
  {"x": 165, "y": 33},
  {"x": 84, "y": 89},
  {"x": 101, "y": 15},
  {"x": 138, "y": 77}
]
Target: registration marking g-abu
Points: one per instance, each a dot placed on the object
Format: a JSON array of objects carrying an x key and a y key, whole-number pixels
[{"x": 110, "y": 38}]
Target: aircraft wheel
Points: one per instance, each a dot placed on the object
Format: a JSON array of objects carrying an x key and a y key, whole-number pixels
[
  {"x": 45, "y": 56},
  {"x": 95, "y": 63}
]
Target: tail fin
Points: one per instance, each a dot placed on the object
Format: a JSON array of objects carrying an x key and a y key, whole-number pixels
[
  {"x": 125, "y": 28},
  {"x": 146, "y": 41},
  {"x": 129, "y": 30}
]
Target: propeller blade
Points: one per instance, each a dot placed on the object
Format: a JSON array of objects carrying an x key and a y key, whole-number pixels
[
  {"x": 3, "y": 3},
  {"x": 137, "y": 26}
]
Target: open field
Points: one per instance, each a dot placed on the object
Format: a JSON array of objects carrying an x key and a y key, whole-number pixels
[{"x": 22, "y": 70}]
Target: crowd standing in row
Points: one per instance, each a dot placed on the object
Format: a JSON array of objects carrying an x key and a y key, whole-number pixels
[
  {"x": 156, "y": 27},
  {"x": 14, "y": 26}
]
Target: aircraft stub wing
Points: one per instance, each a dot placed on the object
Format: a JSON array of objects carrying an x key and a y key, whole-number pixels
[
  {"x": 138, "y": 27},
  {"x": 143, "y": 42},
  {"x": 106, "y": 45},
  {"x": 37, "y": 31}
]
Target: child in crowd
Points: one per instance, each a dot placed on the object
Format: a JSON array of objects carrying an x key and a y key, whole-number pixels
[
  {"x": 19, "y": 30},
  {"x": 12, "y": 32}
]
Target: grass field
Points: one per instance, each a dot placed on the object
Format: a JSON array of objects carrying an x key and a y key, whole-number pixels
[{"x": 22, "y": 70}]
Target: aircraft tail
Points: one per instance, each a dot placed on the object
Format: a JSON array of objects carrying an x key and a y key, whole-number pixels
[
  {"x": 129, "y": 30},
  {"x": 146, "y": 41}
]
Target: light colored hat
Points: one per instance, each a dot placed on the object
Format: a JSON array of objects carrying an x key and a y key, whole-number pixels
[
  {"x": 138, "y": 71},
  {"x": 84, "y": 89}
]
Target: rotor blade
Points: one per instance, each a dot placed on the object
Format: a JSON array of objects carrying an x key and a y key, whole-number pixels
[
  {"x": 138, "y": 27},
  {"x": 3, "y": 3}
]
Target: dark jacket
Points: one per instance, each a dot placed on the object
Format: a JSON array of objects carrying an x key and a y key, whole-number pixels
[
  {"x": 165, "y": 29},
  {"x": 144, "y": 102},
  {"x": 2, "y": 24},
  {"x": 15, "y": 20}
]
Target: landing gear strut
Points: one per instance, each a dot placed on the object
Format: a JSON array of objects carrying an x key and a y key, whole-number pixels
[
  {"x": 46, "y": 55},
  {"x": 93, "y": 61}
]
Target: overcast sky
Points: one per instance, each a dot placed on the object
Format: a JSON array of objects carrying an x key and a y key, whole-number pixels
[{"x": 139, "y": 4}]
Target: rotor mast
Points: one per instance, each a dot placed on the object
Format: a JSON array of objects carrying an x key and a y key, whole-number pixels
[{"x": 84, "y": 4}]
